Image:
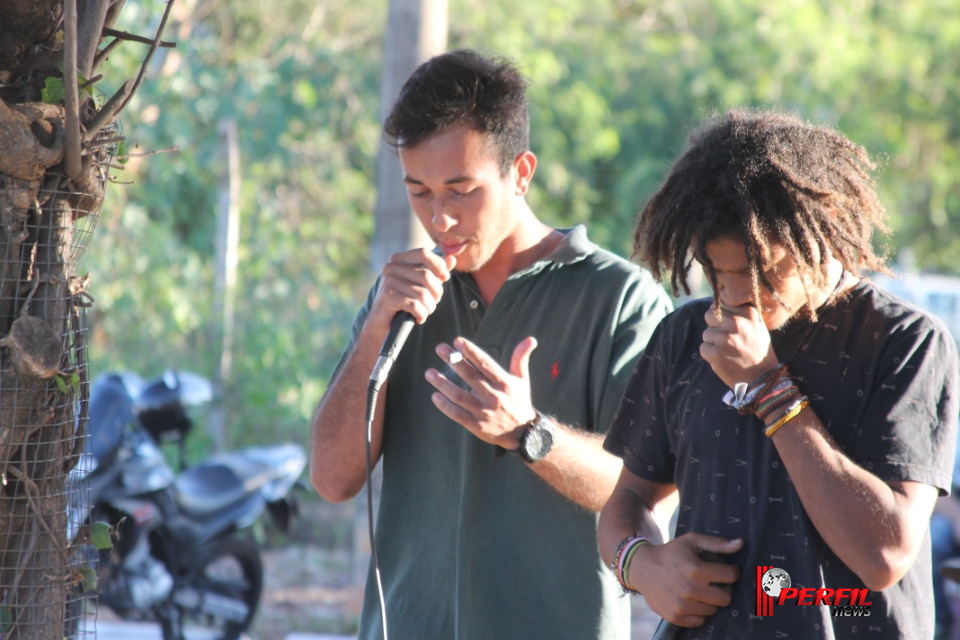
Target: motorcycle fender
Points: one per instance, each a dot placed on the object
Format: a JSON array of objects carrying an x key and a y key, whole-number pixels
[{"x": 142, "y": 512}]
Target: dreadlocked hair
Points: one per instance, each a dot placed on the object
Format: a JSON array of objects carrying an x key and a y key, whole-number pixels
[{"x": 764, "y": 178}]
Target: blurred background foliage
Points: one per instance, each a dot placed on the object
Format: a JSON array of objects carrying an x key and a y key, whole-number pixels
[{"x": 617, "y": 88}]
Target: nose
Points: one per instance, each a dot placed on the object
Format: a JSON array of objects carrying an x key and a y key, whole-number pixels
[
  {"x": 734, "y": 289},
  {"x": 441, "y": 219}
]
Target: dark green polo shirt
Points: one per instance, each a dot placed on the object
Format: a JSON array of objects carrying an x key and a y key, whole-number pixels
[{"x": 475, "y": 547}]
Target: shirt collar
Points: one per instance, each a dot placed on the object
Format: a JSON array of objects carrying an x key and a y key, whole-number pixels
[{"x": 573, "y": 248}]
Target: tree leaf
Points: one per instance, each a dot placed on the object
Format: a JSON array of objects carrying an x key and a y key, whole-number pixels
[
  {"x": 100, "y": 536},
  {"x": 53, "y": 91},
  {"x": 75, "y": 381},
  {"x": 89, "y": 579}
]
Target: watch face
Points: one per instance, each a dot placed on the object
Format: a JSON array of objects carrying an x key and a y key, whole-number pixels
[{"x": 537, "y": 442}]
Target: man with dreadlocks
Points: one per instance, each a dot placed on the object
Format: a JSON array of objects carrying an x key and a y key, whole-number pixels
[{"x": 806, "y": 417}]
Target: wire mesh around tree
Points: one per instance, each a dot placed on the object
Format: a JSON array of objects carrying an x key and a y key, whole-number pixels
[{"x": 47, "y": 572}]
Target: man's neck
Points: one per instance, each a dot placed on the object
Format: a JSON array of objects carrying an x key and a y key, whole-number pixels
[
  {"x": 534, "y": 242},
  {"x": 838, "y": 281}
]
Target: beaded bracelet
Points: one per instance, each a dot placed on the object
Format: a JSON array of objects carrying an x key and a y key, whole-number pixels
[
  {"x": 791, "y": 413},
  {"x": 624, "y": 555}
]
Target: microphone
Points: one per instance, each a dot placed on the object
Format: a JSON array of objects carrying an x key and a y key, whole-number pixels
[{"x": 400, "y": 328}]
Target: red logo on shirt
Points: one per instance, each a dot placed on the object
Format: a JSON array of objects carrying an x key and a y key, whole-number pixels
[{"x": 555, "y": 370}]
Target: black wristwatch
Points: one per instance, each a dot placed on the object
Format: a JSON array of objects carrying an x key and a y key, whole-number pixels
[{"x": 536, "y": 439}]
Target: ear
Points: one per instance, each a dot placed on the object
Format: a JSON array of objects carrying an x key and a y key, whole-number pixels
[{"x": 524, "y": 166}]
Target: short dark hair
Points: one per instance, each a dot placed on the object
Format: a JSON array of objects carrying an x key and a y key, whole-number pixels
[
  {"x": 763, "y": 177},
  {"x": 463, "y": 87}
]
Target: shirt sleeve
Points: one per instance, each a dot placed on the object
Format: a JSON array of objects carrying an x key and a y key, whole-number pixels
[
  {"x": 639, "y": 434},
  {"x": 908, "y": 430},
  {"x": 358, "y": 321},
  {"x": 644, "y": 305}
]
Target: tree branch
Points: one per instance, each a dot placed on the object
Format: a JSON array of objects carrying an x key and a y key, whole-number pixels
[
  {"x": 124, "y": 35},
  {"x": 148, "y": 153},
  {"x": 102, "y": 142},
  {"x": 104, "y": 53},
  {"x": 71, "y": 155},
  {"x": 90, "y": 19},
  {"x": 108, "y": 112},
  {"x": 146, "y": 60},
  {"x": 92, "y": 81}
]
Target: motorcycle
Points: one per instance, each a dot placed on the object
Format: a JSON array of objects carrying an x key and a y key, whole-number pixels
[{"x": 178, "y": 556}]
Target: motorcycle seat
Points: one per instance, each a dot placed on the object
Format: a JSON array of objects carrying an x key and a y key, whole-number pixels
[{"x": 211, "y": 487}]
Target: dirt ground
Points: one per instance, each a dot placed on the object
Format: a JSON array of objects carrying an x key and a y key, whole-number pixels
[
  {"x": 305, "y": 591},
  {"x": 313, "y": 580}
]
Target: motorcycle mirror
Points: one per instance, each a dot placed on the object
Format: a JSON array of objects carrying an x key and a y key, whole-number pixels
[{"x": 194, "y": 388}]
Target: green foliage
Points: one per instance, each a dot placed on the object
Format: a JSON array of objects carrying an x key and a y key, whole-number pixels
[
  {"x": 304, "y": 97},
  {"x": 101, "y": 536},
  {"x": 53, "y": 91},
  {"x": 66, "y": 384},
  {"x": 88, "y": 576},
  {"x": 617, "y": 88}
]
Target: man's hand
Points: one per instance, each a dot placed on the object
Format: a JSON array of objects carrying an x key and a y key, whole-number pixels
[
  {"x": 679, "y": 584},
  {"x": 737, "y": 344},
  {"x": 412, "y": 281},
  {"x": 498, "y": 401}
]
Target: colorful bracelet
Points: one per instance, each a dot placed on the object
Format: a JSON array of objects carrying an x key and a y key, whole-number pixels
[
  {"x": 622, "y": 558},
  {"x": 776, "y": 405},
  {"x": 791, "y": 413},
  {"x": 745, "y": 397},
  {"x": 775, "y": 396}
]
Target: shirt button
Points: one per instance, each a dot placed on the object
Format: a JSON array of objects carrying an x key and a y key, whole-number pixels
[{"x": 474, "y": 304}]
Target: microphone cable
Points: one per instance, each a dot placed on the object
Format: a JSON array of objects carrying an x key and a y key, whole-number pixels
[
  {"x": 372, "y": 391},
  {"x": 400, "y": 328}
]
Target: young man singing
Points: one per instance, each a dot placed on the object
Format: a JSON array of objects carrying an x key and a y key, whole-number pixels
[{"x": 547, "y": 328}]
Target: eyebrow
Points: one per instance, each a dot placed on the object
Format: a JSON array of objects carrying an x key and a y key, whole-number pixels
[{"x": 456, "y": 180}]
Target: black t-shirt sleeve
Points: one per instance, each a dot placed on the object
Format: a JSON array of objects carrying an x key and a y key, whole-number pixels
[{"x": 908, "y": 428}]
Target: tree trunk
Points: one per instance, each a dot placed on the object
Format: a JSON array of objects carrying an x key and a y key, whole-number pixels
[
  {"x": 416, "y": 31},
  {"x": 54, "y": 161}
]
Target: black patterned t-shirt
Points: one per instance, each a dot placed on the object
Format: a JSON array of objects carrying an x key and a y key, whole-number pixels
[{"x": 881, "y": 376}]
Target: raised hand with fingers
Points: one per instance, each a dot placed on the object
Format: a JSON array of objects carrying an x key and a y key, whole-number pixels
[{"x": 497, "y": 403}]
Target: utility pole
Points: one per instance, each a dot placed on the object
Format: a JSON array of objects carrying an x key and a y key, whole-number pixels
[
  {"x": 416, "y": 31},
  {"x": 228, "y": 237}
]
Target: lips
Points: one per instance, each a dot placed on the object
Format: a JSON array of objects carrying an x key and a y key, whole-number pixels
[{"x": 452, "y": 248}]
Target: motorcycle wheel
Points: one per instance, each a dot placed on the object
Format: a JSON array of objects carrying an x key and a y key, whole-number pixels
[{"x": 228, "y": 576}]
